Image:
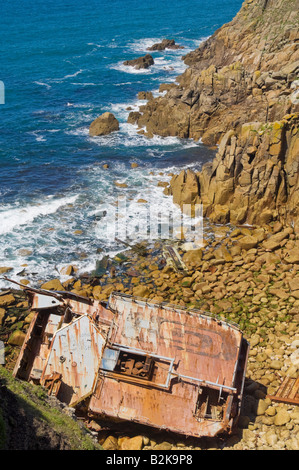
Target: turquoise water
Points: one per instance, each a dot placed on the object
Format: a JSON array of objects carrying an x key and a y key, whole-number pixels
[{"x": 62, "y": 66}]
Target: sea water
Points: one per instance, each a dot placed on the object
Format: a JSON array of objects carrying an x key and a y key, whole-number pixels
[{"x": 61, "y": 67}]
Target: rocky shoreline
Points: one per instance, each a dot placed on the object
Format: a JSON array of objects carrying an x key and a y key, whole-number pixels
[{"x": 238, "y": 93}]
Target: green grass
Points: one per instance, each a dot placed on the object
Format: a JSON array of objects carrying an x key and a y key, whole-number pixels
[{"x": 33, "y": 399}]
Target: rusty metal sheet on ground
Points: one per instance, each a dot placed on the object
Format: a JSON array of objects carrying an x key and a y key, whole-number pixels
[
  {"x": 288, "y": 392},
  {"x": 75, "y": 353}
]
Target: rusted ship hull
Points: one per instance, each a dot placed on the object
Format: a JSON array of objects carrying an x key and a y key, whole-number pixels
[{"x": 157, "y": 365}]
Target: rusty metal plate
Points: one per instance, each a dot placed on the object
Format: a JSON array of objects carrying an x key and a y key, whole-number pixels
[
  {"x": 288, "y": 392},
  {"x": 75, "y": 353},
  {"x": 203, "y": 346}
]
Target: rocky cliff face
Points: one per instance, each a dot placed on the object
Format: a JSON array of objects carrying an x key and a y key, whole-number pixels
[
  {"x": 244, "y": 72},
  {"x": 255, "y": 176},
  {"x": 241, "y": 91}
]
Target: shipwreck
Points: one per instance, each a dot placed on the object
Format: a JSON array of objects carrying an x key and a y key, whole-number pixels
[{"x": 131, "y": 360}]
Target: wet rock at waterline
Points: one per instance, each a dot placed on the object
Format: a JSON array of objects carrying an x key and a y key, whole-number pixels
[
  {"x": 164, "y": 44},
  {"x": 141, "y": 62},
  {"x": 104, "y": 125}
]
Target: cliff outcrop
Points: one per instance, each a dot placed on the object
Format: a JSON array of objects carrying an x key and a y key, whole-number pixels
[
  {"x": 243, "y": 73},
  {"x": 241, "y": 92},
  {"x": 254, "y": 177}
]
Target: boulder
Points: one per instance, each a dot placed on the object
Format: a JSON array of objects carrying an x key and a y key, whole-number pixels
[
  {"x": 16, "y": 338},
  {"x": 29, "y": 317},
  {"x": 107, "y": 290},
  {"x": 193, "y": 256},
  {"x": 248, "y": 242},
  {"x": 54, "y": 284},
  {"x": 6, "y": 300},
  {"x": 282, "y": 417},
  {"x": 25, "y": 252},
  {"x": 120, "y": 185},
  {"x": 163, "y": 446},
  {"x": 220, "y": 214},
  {"x": 68, "y": 270},
  {"x": 141, "y": 62},
  {"x": 164, "y": 44},
  {"x": 135, "y": 443},
  {"x": 141, "y": 291},
  {"x": 294, "y": 284},
  {"x": 145, "y": 95},
  {"x": 5, "y": 269},
  {"x": 110, "y": 443},
  {"x": 104, "y": 125},
  {"x": 2, "y": 315},
  {"x": 97, "y": 290},
  {"x": 293, "y": 257},
  {"x": 133, "y": 117},
  {"x": 262, "y": 407}
]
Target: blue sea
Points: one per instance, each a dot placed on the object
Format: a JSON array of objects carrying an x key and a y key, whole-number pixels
[{"x": 62, "y": 66}]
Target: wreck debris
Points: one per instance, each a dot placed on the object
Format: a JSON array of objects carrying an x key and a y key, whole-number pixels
[
  {"x": 288, "y": 392},
  {"x": 101, "y": 267},
  {"x": 173, "y": 258},
  {"x": 52, "y": 383},
  {"x": 153, "y": 364},
  {"x": 138, "y": 248}
]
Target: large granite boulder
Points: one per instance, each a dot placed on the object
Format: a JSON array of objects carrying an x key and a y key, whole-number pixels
[
  {"x": 103, "y": 125},
  {"x": 184, "y": 190}
]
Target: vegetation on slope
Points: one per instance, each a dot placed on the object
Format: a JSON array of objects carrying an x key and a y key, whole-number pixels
[{"x": 29, "y": 420}]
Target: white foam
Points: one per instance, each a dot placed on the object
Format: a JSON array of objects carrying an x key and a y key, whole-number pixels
[
  {"x": 94, "y": 44},
  {"x": 43, "y": 84},
  {"x": 14, "y": 217},
  {"x": 121, "y": 109},
  {"x": 81, "y": 105},
  {"x": 52, "y": 238},
  {"x": 38, "y": 136},
  {"x": 71, "y": 75},
  {"x": 134, "y": 219},
  {"x": 87, "y": 84},
  {"x": 141, "y": 45},
  {"x": 129, "y": 134},
  {"x": 124, "y": 83},
  {"x": 81, "y": 131},
  {"x": 129, "y": 69}
]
